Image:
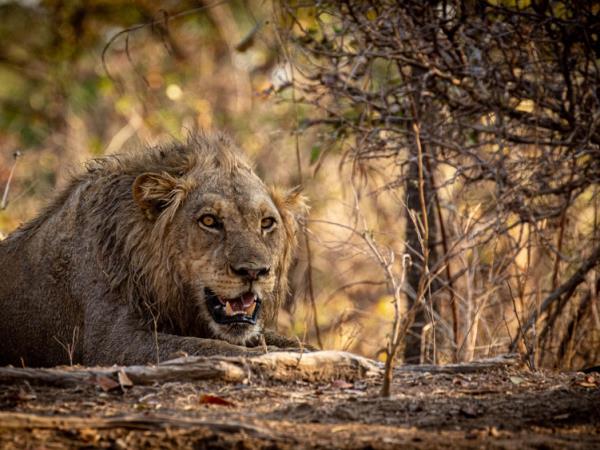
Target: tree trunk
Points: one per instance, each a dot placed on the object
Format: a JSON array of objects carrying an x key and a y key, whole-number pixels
[{"x": 414, "y": 343}]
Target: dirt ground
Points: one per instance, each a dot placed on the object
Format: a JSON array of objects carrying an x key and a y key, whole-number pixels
[{"x": 501, "y": 408}]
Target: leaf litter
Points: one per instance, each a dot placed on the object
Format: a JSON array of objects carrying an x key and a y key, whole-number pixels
[{"x": 498, "y": 409}]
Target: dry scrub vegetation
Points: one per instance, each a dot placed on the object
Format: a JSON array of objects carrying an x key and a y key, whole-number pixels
[
  {"x": 450, "y": 150},
  {"x": 470, "y": 153}
]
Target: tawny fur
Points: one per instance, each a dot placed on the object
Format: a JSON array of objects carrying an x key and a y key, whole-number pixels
[{"x": 114, "y": 270}]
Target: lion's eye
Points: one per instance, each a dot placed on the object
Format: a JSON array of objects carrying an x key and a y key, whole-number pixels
[
  {"x": 267, "y": 223},
  {"x": 209, "y": 221}
]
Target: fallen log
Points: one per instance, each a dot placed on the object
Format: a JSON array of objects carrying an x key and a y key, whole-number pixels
[
  {"x": 279, "y": 366},
  {"x": 69, "y": 376},
  {"x": 13, "y": 420},
  {"x": 482, "y": 365},
  {"x": 291, "y": 366}
]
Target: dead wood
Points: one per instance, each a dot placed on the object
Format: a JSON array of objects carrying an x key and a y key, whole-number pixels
[
  {"x": 499, "y": 362},
  {"x": 566, "y": 289},
  {"x": 129, "y": 421},
  {"x": 313, "y": 366},
  {"x": 69, "y": 376},
  {"x": 280, "y": 366},
  {"x": 277, "y": 366}
]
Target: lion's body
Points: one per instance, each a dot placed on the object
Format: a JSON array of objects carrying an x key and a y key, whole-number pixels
[{"x": 118, "y": 269}]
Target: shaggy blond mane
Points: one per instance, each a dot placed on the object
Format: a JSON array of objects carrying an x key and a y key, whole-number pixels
[{"x": 135, "y": 258}]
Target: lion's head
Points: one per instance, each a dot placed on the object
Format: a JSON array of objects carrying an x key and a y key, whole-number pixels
[{"x": 207, "y": 244}]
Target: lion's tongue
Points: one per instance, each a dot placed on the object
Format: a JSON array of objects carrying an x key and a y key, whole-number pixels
[
  {"x": 242, "y": 304},
  {"x": 247, "y": 299},
  {"x": 237, "y": 305}
]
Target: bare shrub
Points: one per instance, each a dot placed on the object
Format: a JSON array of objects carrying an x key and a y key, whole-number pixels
[{"x": 490, "y": 116}]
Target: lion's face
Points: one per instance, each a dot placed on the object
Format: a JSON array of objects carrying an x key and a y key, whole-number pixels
[
  {"x": 233, "y": 242},
  {"x": 231, "y": 253}
]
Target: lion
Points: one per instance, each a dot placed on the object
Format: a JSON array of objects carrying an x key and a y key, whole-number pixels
[{"x": 149, "y": 254}]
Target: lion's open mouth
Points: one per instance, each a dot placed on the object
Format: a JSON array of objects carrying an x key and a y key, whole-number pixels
[{"x": 242, "y": 309}]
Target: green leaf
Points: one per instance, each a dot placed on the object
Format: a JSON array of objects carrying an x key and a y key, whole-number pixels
[{"x": 315, "y": 151}]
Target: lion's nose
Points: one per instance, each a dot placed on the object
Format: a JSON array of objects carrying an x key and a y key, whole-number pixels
[{"x": 250, "y": 273}]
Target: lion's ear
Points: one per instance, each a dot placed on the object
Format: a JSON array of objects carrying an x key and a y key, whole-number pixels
[
  {"x": 153, "y": 192},
  {"x": 292, "y": 206},
  {"x": 296, "y": 203}
]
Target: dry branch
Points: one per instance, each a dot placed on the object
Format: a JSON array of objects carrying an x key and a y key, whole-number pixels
[
  {"x": 280, "y": 366},
  {"x": 568, "y": 287},
  {"x": 510, "y": 360},
  {"x": 69, "y": 376},
  {"x": 133, "y": 421},
  {"x": 503, "y": 95}
]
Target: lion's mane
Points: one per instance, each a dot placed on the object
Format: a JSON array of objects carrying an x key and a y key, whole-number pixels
[{"x": 95, "y": 225}]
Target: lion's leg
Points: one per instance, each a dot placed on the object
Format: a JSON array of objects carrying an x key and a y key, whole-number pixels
[
  {"x": 283, "y": 342},
  {"x": 114, "y": 336},
  {"x": 143, "y": 347}
]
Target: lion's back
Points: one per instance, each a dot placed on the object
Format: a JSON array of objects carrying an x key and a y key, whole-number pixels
[{"x": 34, "y": 295}]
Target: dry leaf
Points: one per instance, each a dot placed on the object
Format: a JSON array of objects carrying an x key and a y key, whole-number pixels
[
  {"x": 207, "y": 399},
  {"x": 517, "y": 380},
  {"x": 124, "y": 380},
  {"x": 341, "y": 384},
  {"x": 23, "y": 395},
  {"x": 89, "y": 435},
  {"x": 106, "y": 383}
]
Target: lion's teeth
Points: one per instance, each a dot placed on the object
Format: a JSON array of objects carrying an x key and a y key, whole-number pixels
[
  {"x": 228, "y": 309},
  {"x": 250, "y": 309}
]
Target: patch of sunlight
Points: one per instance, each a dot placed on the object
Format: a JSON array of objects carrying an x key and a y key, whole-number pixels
[
  {"x": 525, "y": 106},
  {"x": 174, "y": 92}
]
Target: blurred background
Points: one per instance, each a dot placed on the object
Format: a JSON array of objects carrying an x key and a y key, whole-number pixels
[{"x": 449, "y": 150}]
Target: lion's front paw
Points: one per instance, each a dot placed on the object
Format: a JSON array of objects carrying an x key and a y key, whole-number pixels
[{"x": 281, "y": 343}]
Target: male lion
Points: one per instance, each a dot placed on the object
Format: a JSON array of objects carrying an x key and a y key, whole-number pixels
[{"x": 148, "y": 254}]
